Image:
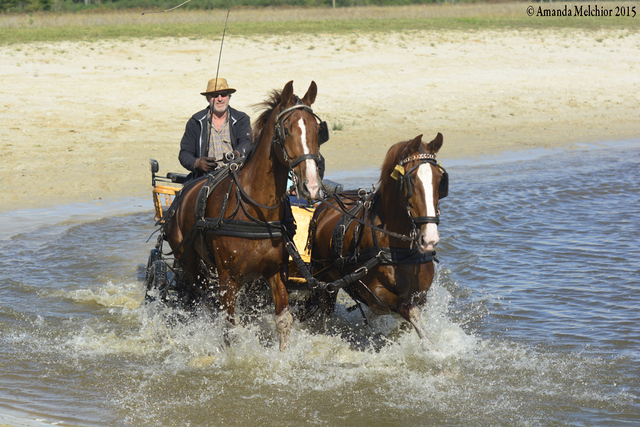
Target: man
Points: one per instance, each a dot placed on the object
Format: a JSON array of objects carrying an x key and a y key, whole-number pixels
[{"x": 215, "y": 135}]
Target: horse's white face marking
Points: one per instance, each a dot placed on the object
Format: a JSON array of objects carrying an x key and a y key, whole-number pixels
[
  {"x": 430, "y": 238},
  {"x": 313, "y": 184},
  {"x": 303, "y": 136}
]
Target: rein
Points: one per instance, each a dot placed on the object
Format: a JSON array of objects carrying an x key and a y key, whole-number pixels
[
  {"x": 245, "y": 196},
  {"x": 343, "y": 210}
]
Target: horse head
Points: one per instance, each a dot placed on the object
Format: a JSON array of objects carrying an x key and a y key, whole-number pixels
[
  {"x": 297, "y": 129},
  {"x": 422, "y": 183}
]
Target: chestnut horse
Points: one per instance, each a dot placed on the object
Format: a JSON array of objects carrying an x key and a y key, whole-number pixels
[
  {"x": 238, "y": 228},
  {"x": 385, "y": 239}
]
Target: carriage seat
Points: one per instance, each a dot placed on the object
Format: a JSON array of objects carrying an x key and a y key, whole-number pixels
[{"x": 178, "y": 178}]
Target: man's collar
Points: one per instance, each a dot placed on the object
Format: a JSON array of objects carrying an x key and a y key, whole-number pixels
[{"x": 227, "y": 114}]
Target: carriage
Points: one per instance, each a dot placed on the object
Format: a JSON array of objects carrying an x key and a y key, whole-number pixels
[{"x": 226, "y": 230}]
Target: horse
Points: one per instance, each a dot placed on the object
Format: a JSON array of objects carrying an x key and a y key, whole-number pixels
[
  {"x": 234, "y": 223},
  {"x": 383, "y": 242}
]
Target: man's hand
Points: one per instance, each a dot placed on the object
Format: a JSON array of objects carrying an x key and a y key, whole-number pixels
[{"x": 205, "y": 164}]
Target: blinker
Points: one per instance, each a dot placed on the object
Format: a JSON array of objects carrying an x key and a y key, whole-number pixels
[
  {"x": 323, "y": 133},
  {"x": 443, "y": 188}
]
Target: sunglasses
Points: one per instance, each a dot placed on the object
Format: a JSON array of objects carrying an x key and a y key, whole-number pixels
[{"x": 222, "y": 94}]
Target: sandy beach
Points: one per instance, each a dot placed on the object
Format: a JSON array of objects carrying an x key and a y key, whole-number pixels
[{"x": 79, "y": 121}]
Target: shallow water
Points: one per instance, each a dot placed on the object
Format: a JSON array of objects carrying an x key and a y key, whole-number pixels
[{"x": 533, "y": 315}]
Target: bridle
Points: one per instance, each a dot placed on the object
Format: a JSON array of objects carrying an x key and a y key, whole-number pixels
[
  {"x": 280, "y": 134},
  {"x": 278, "y": 141},
  {"x": 404, "y": 181}
]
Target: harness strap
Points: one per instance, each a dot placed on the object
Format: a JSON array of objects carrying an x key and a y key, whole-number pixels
[
  {"x": 373, "y": 227},
  {"x": 419, "y": 220},
  {"x": 246, "y": 196},
  {"x": 312, "y": 282},
  {"x": 341, "y": 283},
  {"x": 244, "y": 229},
  {"x": 298, "y": 106},
  {"x": 253, "y": 229},
  {"x": 389, "y": 256},
  {"x": 213, "y": 180},
  {"x": 357, "y": 274},
  {"x": 300, "y": 159},
  {"x": 337, "y": 239},
  {"x": 422, "y": 156}
]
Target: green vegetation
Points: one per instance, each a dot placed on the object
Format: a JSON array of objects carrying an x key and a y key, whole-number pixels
[
  {"x": 100, "y": 24},
  {"x": 78, "y": 5}
]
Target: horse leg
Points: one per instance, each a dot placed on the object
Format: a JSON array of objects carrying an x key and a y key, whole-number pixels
[
  {"x": 404, "y": 306},
  {"x": 411, "y": 313},
  {"x": 228, "y": 291},
  {"x": 417, "y": 296},
  {"x": 187, "y": 283},
  {"x": 284, "y": 318}
]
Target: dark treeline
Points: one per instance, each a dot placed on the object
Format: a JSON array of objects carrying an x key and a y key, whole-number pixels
[{"x": 106, "y": 5}]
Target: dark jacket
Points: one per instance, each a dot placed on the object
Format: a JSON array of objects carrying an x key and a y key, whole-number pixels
[{"x": 194, "y": 140}]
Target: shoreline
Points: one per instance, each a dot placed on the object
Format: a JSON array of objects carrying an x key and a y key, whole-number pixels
[
  {"x": 80, "y": 121},
  {"x": 87, "y": 210}
]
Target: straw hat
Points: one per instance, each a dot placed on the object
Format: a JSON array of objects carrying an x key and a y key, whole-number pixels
[{"x": 217, "y": 85}]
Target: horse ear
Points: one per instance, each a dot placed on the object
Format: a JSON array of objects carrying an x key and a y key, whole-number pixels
[
  {"x": 310, "y": 96},
  {"x": 436, "y": 144},
  {"x": 414, "y": 144},
  {"x": 287, "y": 93}
]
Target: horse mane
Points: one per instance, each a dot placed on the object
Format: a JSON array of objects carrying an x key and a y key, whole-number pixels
[
  {"x": 275, "y": 98},
  {"x": 388, "y": 186}
]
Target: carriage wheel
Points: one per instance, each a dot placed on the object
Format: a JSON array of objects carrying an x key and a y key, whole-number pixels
[
  {"x": 160, "y": 277},
  {"x": 148, "y": 278},
  {"x": 156, "y": 279}
]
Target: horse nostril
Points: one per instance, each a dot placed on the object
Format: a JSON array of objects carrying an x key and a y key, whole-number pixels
[
  {"x": 310, "y": 190},
  {"x": 429, "y": 242}
]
